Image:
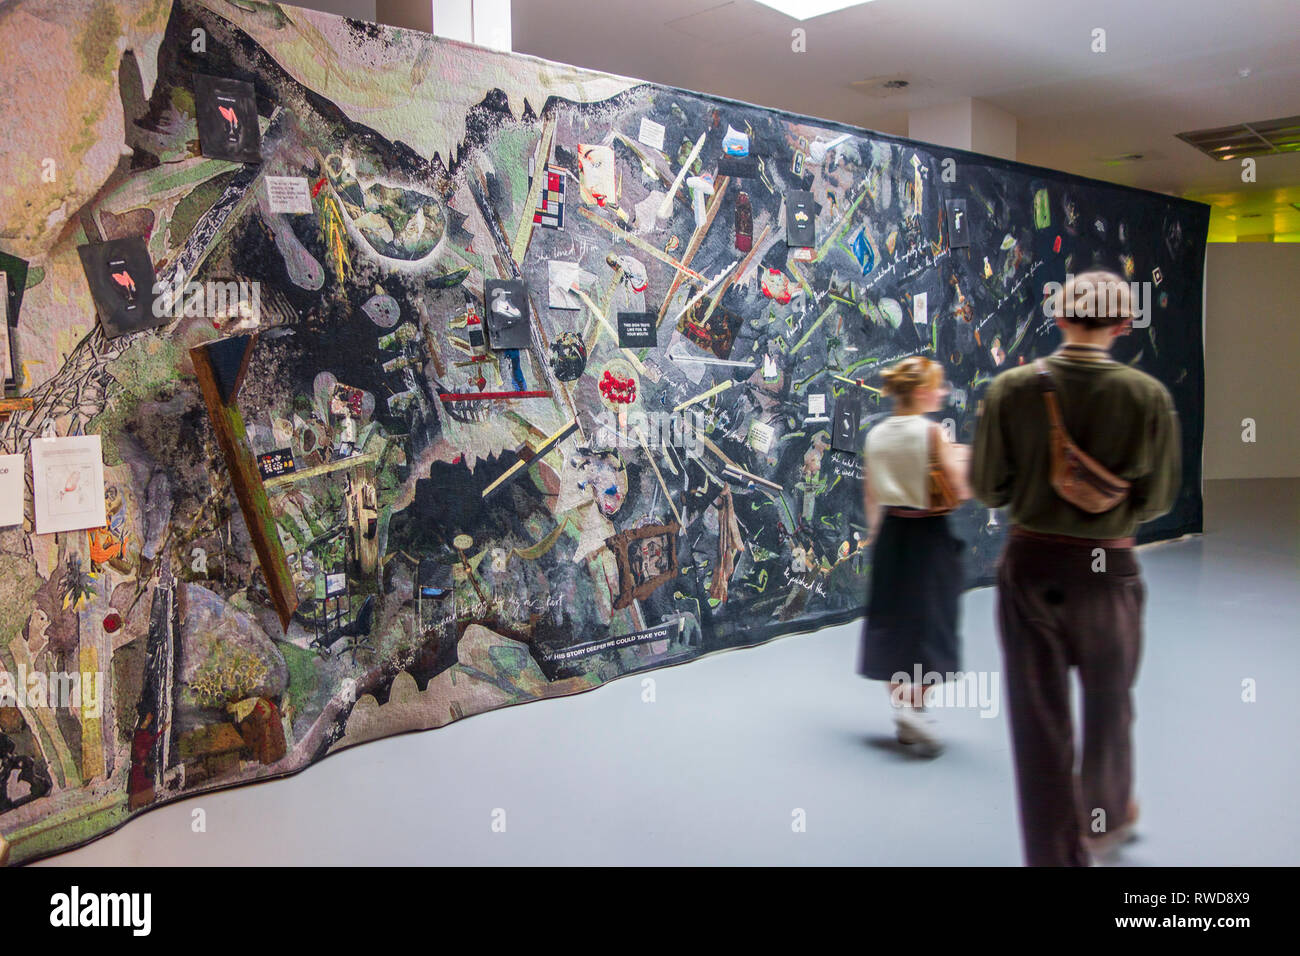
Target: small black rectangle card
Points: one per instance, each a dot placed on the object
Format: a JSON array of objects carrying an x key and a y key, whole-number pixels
[
  {"x": 227, "y": 118},
  {"x": 121, "y": 279},
  {"x": 16, "y": 270},
  {"x": 6, "y": 357},
  {"x": 273, "y": 464},
  {"x": 738, "y": 167},
  {"x": 507, "y": 314},
  {"x": 800, "y": 218},
  {"x": 958, "y": 227},
  {"x": 638, "y": 330},
  {"x": 848, "y": 413}
]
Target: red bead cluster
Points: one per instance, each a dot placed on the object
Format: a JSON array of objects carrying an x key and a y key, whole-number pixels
[{"x": 616, "y": 389}]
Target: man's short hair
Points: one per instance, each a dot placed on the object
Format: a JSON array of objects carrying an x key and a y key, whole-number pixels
[{"x": 1095, "y": 299}]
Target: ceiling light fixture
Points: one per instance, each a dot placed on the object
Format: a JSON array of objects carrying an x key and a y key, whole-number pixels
[{"x": 807, "y": 9}]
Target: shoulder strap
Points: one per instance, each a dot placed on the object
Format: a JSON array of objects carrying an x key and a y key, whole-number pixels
[
  {"x": 1045, "y": 380},
  {"x": 1047, "y": 385}
]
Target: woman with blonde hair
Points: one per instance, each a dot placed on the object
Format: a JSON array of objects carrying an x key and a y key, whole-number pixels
[{"x": 911, "y": 629}]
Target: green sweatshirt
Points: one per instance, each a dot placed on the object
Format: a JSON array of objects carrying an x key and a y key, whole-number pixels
[{"x": 1122, "y": 417}]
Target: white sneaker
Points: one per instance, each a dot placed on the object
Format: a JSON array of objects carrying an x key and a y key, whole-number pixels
[
  {"x": 1105, "y": 847},
  {"x": 919, "y": 730}
]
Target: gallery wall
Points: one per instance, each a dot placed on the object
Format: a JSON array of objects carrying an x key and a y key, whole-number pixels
[
  {"x": 532, "y": 377},
  {"x": 1251, "y": 340}
]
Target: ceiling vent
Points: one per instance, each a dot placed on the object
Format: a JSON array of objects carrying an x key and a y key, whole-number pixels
[
  {"x": 1262, "y": 138},
  {"x": 1123, "y": 159},
  {"x": 894, "y": 84}
]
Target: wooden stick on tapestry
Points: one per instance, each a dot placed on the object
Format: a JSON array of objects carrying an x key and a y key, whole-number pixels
[
  {"x": 11, "y": 405},
  {"x": 523, "y": 464},
  {"x": 719, "y": 190},
  {"x": 220, "y": 367}
]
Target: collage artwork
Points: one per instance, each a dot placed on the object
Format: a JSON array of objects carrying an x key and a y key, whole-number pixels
[{"x": 432, "y": 379}]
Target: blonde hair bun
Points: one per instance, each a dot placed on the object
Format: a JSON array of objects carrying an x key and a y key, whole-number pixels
[{"x": 916, "y": 371}]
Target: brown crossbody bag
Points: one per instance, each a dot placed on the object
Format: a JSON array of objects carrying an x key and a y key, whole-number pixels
[
  {"x": 1076, "y": 476},
  {"x": 943, "y": 497}
]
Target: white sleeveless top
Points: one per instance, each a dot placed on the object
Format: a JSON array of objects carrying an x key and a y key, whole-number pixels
[{"x": 898, "y": 461}]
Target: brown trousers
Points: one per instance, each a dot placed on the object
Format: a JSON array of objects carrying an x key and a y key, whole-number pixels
[{"x": 1055, "y": 612}]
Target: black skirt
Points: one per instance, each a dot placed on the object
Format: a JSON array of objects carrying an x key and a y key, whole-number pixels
[{"x": 914, "y": 602}]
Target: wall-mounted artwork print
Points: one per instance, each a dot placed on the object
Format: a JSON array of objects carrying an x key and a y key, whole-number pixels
[
  {"x": 121, "y": 278},
  {"x": 507, "y": 314},
  {"x": 68, "y": 483},
  {"x": 848, "y": 415},
  {"x": 646, "y": 558},
  {"x": 12, "y": 473},
  {"x": 800, "y": 218},
  {"x": 958, "y": 226},
  {"x": 596, "y": 181},
  {"x": 550, "y": 204},
  {"x": 227, "y": 119}
]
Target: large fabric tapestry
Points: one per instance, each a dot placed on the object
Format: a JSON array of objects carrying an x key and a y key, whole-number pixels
[{"x": 466, "y": 379}]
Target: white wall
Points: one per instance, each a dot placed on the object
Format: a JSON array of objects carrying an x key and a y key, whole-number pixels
[{"x": 1252, "y": 343}]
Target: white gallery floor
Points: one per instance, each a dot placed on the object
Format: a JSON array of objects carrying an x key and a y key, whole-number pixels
[{"x": 714, "y": 769}]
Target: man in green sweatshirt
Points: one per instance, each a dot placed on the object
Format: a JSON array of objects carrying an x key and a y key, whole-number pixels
[{"x": 1070, "y": 591}]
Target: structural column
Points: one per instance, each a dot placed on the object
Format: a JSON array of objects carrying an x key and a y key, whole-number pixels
[
  {"x": 484, "y": 22},
  {"x": 965, "y": 124}
]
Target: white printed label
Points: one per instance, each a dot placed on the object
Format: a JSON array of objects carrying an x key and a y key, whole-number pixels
[
  {"x": 288, "y": 194},
  {"x": 12, "y": 468},
  {"x": 761, "y": 436},
  {"x": 652, "y": 133}
]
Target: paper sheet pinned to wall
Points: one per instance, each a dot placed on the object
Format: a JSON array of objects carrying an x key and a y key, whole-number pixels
[
  {"x": 11, "y": 490},
  {"x": 68, "y": 483},
  {"x": 651, "y": 133}
]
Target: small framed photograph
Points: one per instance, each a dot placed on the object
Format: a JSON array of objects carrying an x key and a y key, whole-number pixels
[
  {"x": 507, "y": 314},
  {"x": 646, "y": 559}
]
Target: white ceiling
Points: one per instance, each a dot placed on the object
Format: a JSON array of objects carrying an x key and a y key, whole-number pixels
[{"x": 1169, "y": 67}]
